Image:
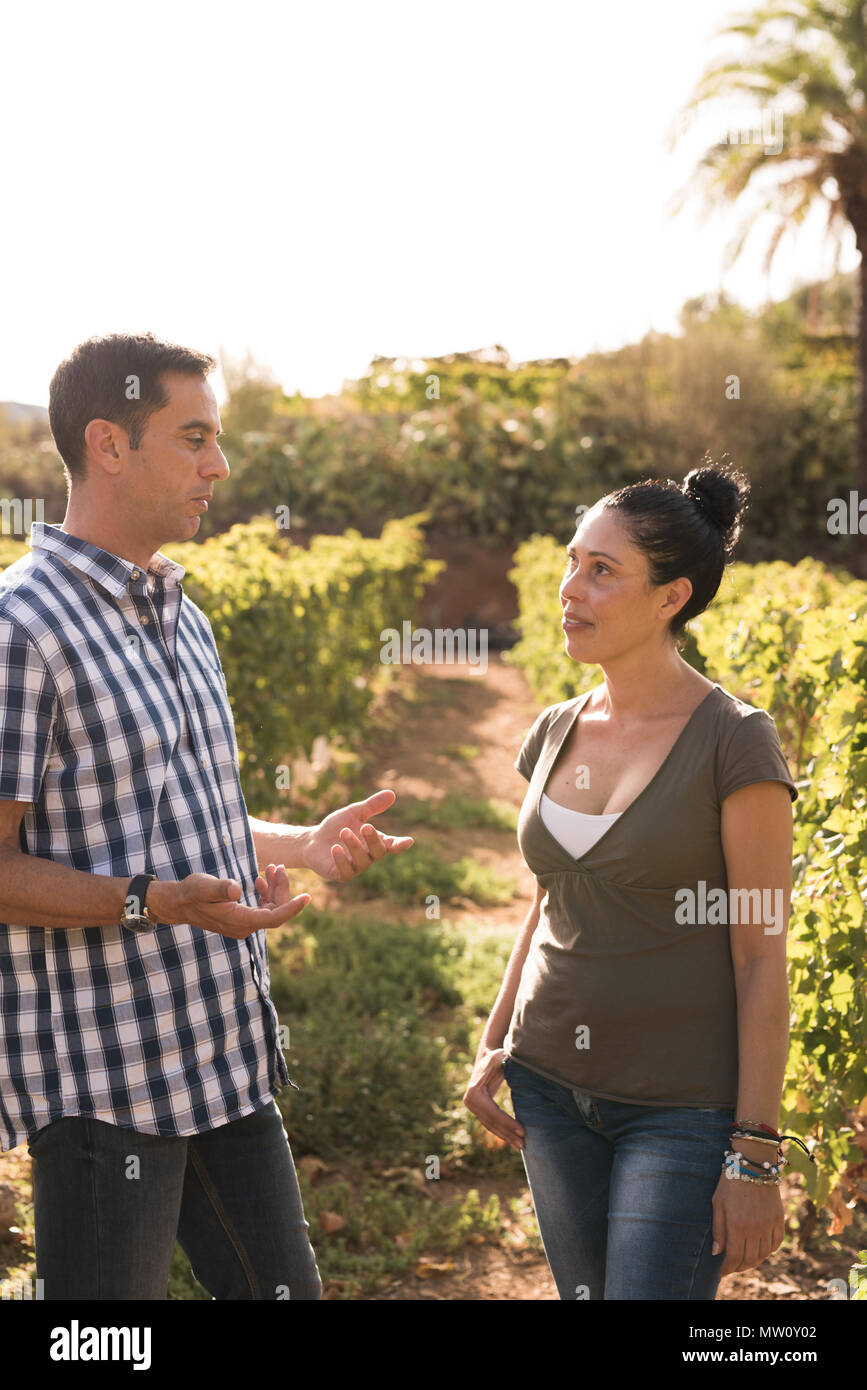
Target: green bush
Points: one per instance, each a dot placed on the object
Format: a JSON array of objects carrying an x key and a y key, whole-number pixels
[{"x": 383, "y": 1019}]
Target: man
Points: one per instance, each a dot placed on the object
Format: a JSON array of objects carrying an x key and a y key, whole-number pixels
[{"x": 138, "y": 1042}]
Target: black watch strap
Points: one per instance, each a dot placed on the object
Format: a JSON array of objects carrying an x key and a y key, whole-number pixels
[{"x": 134, "y": 906}]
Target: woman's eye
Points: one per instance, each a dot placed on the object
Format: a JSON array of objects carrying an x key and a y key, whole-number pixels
[{"x": 570, "y": 562}]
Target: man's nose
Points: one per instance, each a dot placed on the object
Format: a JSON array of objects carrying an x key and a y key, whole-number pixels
[{"x": 219, "y": 466}]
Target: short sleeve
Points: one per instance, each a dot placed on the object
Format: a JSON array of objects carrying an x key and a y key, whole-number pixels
[
  {"x": 528, "y": 754},
  {"x": 28, "y": 703},
  {"x": 754, "y": 754}
]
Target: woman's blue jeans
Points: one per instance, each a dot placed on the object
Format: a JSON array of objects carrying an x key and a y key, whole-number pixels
[
  {"x": 623, "y": 1193},
  {"x": 109, "y": 1204}
]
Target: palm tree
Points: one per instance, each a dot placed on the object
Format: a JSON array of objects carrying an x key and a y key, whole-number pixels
[{"x": 807, "y": 67}]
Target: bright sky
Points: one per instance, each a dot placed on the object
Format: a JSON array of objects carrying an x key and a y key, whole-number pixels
[{"x": 321, "y": 182}]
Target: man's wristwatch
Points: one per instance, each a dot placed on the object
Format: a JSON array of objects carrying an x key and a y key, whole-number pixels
[{"x": 135, "y": 915}]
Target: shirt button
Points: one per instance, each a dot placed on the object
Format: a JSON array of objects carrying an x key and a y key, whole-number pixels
[
  {"x": 145, "y": 618},
  {"x": 203, "y": 762},
  {"x": 136, "y": 574},
  {"x": 225, "y": 841}
]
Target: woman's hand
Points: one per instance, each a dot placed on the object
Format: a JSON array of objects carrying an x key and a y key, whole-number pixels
[
  {"x": 748, "y": 1222},
  {"x": 487, "y": 1078}
]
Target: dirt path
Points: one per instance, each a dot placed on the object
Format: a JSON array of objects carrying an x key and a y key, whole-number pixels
[{"x": 445, "y": 710}]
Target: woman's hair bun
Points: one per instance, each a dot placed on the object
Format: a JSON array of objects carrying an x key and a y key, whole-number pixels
[{"x": 722, "y": 495}]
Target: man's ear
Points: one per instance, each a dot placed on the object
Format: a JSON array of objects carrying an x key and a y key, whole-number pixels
[{"x": 105, "y": 444}]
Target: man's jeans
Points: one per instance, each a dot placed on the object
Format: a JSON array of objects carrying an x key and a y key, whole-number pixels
[
  {"x": 109, "y": 1204},
  {"x": 623, "y": 1193}
]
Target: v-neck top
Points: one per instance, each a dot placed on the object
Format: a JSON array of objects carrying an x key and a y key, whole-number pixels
[{"x": 619, "y": 996}]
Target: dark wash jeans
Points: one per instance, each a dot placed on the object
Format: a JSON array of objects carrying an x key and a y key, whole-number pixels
[
  {"x": 623, "y": 1193},
  {"x": 229, "y": 1196}
]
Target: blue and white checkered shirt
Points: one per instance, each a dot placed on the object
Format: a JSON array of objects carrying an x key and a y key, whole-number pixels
[{"x": 115, "y": 725}]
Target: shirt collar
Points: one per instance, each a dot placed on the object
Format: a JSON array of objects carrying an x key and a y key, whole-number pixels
[{"x": 110, "y": 571}]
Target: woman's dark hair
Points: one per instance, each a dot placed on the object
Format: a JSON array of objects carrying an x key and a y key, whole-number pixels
[{"x": 686, "y": 530}]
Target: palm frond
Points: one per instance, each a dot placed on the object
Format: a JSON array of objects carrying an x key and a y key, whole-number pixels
[{"x": 806, "y": 63}]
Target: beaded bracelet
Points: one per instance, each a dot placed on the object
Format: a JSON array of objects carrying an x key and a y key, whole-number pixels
[
  {"x": 749, "y": 1177},
  {"x": 763, "y": 1163},
  {"x": 778, "y": 1155},
  {"x": 745, "y": 1174},
  {"x": 752, "y": 1164},
  {"x": 764, "y": 1182}
]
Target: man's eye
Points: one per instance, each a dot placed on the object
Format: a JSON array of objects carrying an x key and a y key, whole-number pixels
[{"x": 197, "y": 438}]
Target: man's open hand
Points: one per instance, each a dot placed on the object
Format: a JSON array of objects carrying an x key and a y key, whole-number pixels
[
  {"x": 344, "y": 844},
  {"x": 214, "y": 904}
]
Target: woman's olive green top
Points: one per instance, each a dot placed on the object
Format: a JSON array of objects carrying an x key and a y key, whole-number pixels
[{"x": 628, "y": 988}]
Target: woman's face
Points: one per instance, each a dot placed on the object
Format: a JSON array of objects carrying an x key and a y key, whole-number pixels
[{"x": 609, "y": 606}]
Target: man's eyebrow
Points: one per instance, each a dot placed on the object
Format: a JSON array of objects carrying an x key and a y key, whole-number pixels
[
  {"x": 593, "y": 553},
  {"x": 200, "y": 425}
]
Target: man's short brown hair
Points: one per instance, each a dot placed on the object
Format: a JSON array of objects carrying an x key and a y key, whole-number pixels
[{"x": 116, "y": 378}]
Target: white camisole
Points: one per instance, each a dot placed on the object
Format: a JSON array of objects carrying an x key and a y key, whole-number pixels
[{"x": 574, "y": 830}]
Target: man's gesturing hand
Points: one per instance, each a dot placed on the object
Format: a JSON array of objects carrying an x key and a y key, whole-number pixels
[
  {"x": 343, "y": 845},
  {"x": 214, "y": 903}
]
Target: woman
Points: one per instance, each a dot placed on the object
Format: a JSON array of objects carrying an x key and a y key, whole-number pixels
[{"x": 642, "y": 1023}]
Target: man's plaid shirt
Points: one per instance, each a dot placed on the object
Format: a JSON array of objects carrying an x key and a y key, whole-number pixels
[{"x": 116, "y": 727}]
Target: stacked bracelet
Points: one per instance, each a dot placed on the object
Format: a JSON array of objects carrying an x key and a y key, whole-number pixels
[
  {"x": 736, "y": 1166},
  {"x": 754, "y": 1129}
]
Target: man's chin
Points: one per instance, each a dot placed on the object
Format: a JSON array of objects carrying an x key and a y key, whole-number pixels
[{"x": 181, "y": 529}]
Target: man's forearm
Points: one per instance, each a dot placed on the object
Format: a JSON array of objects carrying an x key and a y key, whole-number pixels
[
  {"x": 280, "y": 844},
  {"x": 40, "y": 893}
]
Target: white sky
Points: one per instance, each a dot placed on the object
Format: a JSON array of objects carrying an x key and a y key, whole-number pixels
[{"x": 321, "y": 182}]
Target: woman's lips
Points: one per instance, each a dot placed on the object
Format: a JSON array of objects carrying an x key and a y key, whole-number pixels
[{"x": 573, "y": 623}]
